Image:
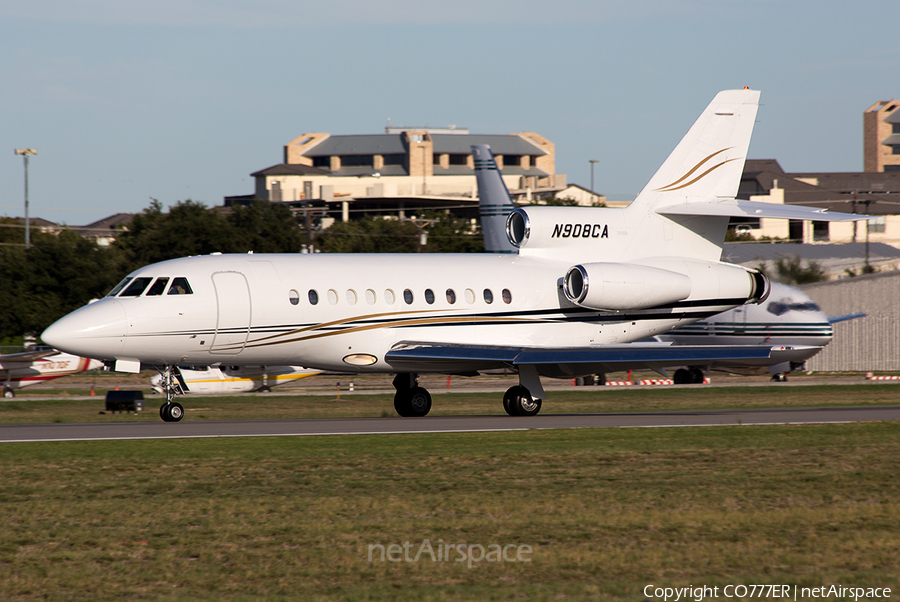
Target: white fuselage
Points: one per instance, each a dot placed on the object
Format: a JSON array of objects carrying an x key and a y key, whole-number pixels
[{"x": 258, "y": 310}]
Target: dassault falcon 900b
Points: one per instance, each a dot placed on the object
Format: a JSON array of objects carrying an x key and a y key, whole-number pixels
[{"x": 584, "y": 282}]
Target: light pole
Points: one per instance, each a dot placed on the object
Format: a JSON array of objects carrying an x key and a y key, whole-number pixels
[
  {"x": 26, "y": 152},
  {"x": 592, "y": 161}
]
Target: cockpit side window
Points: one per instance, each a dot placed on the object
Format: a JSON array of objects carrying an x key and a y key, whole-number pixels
[
  {"x": 158, "y": 288},
  {"x": 119, "y": 287},
  {"x": 136, "y": 287},
  {"x": 180, "y": 286}
]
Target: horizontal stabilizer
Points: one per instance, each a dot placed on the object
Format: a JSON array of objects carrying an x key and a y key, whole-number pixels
[{"x": 736, "y": 208}]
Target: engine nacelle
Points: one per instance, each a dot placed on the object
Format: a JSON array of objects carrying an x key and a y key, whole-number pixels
[{"x": 624, "y": 286}]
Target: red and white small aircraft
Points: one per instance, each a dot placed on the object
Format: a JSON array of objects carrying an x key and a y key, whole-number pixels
[{"x": 19, "y": 370}]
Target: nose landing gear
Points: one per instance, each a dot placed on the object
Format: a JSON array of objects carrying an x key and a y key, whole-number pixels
[{"x": 171, "y": 411}]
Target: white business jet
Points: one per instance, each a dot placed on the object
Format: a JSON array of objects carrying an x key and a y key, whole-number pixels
[
  {"x": 585, "y": 281},
  {"x": 787, "y": 318}
]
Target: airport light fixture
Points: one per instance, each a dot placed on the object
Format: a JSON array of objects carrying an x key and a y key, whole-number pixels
[{"x": 26, "y": 152}]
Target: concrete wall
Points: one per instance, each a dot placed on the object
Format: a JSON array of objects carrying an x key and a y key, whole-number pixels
[{"x": 869, "y": 344}]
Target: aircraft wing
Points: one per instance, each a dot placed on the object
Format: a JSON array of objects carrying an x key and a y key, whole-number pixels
[
  {"x": 569, "y": 362},
  {"x": 846, "y": 317},
  {"x": 738, "y": 208},
  {"x": 26, "y": 357}
]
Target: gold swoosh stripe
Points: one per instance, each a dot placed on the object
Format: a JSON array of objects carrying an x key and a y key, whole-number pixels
[
  {"x": 343, "y": 321},
  {"x": 692, "y": 170},
  {"x": 703, "y": 175},
  {"x": 418, "y": 322}
]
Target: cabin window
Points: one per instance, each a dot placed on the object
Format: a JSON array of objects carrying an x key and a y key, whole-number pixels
[
  {"x": 451, "y": 296},
  {"x": 136, "y": 287},
  {"x": 408, "y": 296},
  {"x": 351, "y": 296},
  {"x": 389, "y": 296},
  {"x": 158, "y": 288},
  {"x": 313, "y": 297},
  {"x": 332, "y": 296},
  {"x": 180, "y": 286},
  {"x": 488, "y": 296},
  {"x": 370, "y": 297},
  {"x": 470, "y": 296},
  {"x": 294, "y": 297},
  {"x": 507, "y": 296},
  {"x": 119, "y": 287},
  {"x": 429, "y": 296}
]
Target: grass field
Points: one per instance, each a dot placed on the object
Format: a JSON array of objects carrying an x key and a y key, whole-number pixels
[
  {"x": 605, "y": 511},
  {"x": 52, "y": 408}
]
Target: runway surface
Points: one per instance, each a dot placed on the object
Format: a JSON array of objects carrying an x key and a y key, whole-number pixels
[{"x": 436, "y": 424}]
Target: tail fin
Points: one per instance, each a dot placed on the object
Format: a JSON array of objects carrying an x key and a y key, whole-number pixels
[
  {"x": 494, "y": 202},
  {"x": 708, "y": 162}
]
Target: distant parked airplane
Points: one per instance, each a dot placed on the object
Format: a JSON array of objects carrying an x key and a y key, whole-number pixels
[
  {"x": 232, "y": 379},
  {"x": 20, "y": 370}
]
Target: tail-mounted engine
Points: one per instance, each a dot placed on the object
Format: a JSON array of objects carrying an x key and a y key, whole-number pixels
[
  {"x": 623, "y": 286},
  {"x": 618, "y": 286}
]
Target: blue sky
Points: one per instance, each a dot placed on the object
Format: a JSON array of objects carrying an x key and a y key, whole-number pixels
[{"x": 173, "y": 100}]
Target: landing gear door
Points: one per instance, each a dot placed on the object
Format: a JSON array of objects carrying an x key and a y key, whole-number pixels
[{"x": 233, "y": 321}]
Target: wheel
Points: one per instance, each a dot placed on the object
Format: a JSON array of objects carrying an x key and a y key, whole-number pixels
[
  {"x": 176, "y": 412},
  {"x": 412, "y": 403},
  {"x": 264, "y": 389},
  {"x": 695, "y": 375},
  {"x": 579, "y": 381},
  {"x": 779, "y": 378},
  {"x": 518, "y": 402},
  {"x": 8, "y": 393},
  {"x": 419, "y": 402},
  {"x": 682, "y": 377},
  {"x": 163, "y": 412}
]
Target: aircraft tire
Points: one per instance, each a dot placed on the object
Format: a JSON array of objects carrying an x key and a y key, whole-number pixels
[
  {"x": 695, "y": 376},
  {"x": 176, "y": 412},
  {"x": 412, "y": 403},
  {"x": 8, "y": 393},
  {"x": 682, "y": 377},
  {"x": 163, "y": 412},
  {"x": 518, "y": 402}
]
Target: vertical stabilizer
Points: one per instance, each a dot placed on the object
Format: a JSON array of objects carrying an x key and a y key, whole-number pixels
[
  {"x": 708, "y": 162},
  {"x": 494, "y": 202}
]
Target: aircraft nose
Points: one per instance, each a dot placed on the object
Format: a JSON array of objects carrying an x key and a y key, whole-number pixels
[{"x": 97, "y": 330}]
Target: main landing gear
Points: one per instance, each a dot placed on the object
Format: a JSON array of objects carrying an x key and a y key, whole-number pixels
[
  {"x": 517, "y": 401},
  {"x": 411, "y": 400},
  {"x": 691, "y": 376},
  {"x": 171, "y": 411}
]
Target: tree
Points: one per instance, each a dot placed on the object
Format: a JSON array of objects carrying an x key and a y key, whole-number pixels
[
  {"x": 792, "y": 271},
  {"x": 57, "y": 275},
  {"x": 369, "y": 235}
]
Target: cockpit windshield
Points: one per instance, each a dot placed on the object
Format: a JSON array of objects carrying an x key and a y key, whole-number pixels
[
  {"x": 785, "y": 305},
  {"x": 136, "y": 287},
  {"x": 180, "y": 286},
  {"x": 118, "y": 287},
  {"x": 158, "y": 288}
]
